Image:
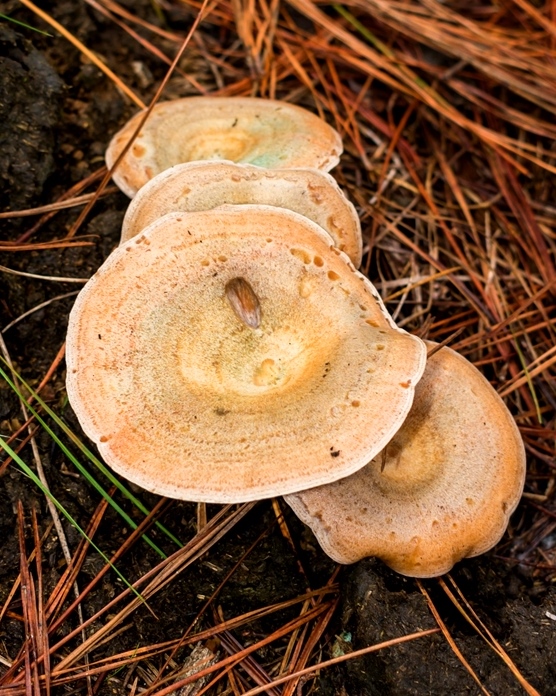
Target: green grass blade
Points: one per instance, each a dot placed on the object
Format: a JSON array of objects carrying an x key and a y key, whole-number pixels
[
  {"x": 97, "y": 463},
  {"x": 22, "y": 24},
  {"x": 36, "y": 480}
]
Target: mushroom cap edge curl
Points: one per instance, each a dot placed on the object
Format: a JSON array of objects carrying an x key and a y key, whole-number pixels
[
  {"x": 206, "y": 184},
  {"x": 443, "y": 489},
  {"x": 230, "y": 413},
  {"x": 265, "y": 132}
]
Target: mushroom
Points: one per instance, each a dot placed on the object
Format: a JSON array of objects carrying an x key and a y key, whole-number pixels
[
  {"x": 203, "y": 185},
  {"x": 443, "y": 489},
  {"x": 235, "y": 354},
  {"x": 264, "y": 132}
]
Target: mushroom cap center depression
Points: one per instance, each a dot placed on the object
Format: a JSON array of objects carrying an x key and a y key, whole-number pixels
[
  {"x": 222, "y": 360},
  {"x": 247, "y": 365},
  {"x": 203, "y": 142},
  {"x": 413, "y": 459},
  {"x": 193, "y": 354},
  {"x": 213, "y": 140},
  {"x": 165, "y": 375},
  {"x": 263, "y": 132}
]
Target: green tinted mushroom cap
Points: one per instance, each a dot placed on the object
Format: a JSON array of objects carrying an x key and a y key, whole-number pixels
[
  {"x": 264, "y": 132},
  {"x": 442, "y": 490},
  {"x": 235, "y": 354}
]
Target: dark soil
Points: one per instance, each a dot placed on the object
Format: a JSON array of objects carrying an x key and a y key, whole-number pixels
[{"x": 57, "y": 114}]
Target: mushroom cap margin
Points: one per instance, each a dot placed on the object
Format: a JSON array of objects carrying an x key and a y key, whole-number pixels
[
  {"x": 206, "y": 184},
  {"x": 264, "y": 132},
  {"x": 289, "y": 456},
  {"x": 420, "y": 524}
]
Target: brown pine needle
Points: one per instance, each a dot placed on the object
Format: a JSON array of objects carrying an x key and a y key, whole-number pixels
[
  {"x": 445, "y": 342},
  {"x": 473, "y": 619},
  {"x": 85, "y": 51},
  {"x": 450, "y": 640},
  {"x": 53, "y": 207},
  {"x": 40, "y": 306},
  {"x": 343, "y": 658},
  {"x": 53, "y": 279}
]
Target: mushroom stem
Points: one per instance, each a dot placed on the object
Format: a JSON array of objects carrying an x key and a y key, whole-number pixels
[{"x": 244, "y": 302}]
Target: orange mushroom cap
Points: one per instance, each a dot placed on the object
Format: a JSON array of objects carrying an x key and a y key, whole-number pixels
[
  {"x": 203, "y": 185},
  {"x": 442, "y": 490},
  {"x": 264, "y": 132},
  {"x": 235, "y": 354}
]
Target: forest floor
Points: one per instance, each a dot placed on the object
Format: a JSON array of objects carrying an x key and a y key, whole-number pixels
[{"x": 450, "y": 161}]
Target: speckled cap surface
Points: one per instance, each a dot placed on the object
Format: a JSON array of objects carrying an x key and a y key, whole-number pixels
[
  {"x": 187, "y": 400},
  {"x": 195, "y": 186},
  {"x": 442, "y": 490},
  {"x": 264, "y": 132}
]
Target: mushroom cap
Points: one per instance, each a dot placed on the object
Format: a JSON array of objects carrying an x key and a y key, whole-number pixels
[
  {"x": 204, "y": 185},
  {"x": 264, "y": 132},
  {"x": 443, "y": 489},
  {"x": 195, "y": 397}
]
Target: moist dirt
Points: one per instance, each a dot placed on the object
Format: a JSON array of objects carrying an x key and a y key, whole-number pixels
[{"x": 57, "y": 113}]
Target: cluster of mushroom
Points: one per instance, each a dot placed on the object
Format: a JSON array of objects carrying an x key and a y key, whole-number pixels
[{"x": 229, "y": 350}]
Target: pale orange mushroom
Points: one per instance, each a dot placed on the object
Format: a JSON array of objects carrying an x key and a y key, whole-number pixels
[
  {"x": 442, "y": 490},
  {"x": 204, "y": 185},
  {"x": 264, "y": 132},
  {"x": 235, "y": 354}
]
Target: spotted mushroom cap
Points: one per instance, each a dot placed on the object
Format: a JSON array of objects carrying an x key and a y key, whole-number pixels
[
  {"x": 442, "y": 490},
  {"x": 235, "y": 354},
  {"x": 264, "y": 132},
  {"x": 203, "y": 185}
]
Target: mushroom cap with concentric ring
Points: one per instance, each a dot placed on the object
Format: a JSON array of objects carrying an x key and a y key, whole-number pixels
[
  {"x": 194, "y": 186},
  {"x": 264, "y": 132},
  {"x": 442, "y": 490},
  {"x": 235, "y": 354}
]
